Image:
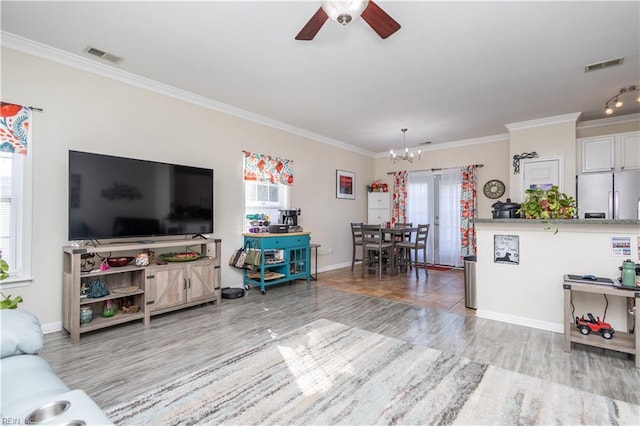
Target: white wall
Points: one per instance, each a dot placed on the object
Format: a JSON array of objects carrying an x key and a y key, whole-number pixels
[
  {"x": 493, "y": 154},
  {"x": 550, "y": 137},
  {"x": 86, "y": 112},
  {"x": 621, "y": 124}
]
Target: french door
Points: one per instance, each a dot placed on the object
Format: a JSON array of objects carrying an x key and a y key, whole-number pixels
[{"x": 434, "y": 198}]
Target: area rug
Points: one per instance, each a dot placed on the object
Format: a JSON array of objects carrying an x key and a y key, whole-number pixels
[
  {"x": 439, "y": 268},
  {"x": 328, "y": 373}
]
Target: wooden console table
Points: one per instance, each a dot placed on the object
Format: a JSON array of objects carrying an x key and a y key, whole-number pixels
[{"x": 621, "y": 341}]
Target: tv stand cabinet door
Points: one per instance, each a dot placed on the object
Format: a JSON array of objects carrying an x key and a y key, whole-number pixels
[
  {"x": 168, "y": 287},
  {"x": 200, "y": 281}
]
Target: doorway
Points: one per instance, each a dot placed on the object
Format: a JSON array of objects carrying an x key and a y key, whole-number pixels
[{"x": 434, "y": 198}]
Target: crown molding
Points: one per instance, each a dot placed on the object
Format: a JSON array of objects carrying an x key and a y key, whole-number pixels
[
  {"x": 608, "y": 121},
  {"x": 558, "y": 119},
  {"x": 455, "y": 144},
  {"x": 24, "y": 45}
]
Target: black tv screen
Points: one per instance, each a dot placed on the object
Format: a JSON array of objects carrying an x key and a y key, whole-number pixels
[{"x": 117, "y": 197}]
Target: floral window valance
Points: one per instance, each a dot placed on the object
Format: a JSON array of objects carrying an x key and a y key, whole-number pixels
[
  {"x": 265, "y": 168},
  {"x": 15, "y": 121}
]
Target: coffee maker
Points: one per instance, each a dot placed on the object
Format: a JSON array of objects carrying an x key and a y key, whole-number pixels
[{"x": 290, "y": 218}]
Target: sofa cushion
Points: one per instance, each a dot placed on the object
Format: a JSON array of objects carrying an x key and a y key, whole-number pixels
[
  {"x": 20, "y": 333},
  {"x": 28, "y": 379}
]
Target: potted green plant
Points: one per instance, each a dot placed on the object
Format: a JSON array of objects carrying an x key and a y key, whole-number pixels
[
  {"x": 7, "y": 302},
  {"x": 547, "y": 204}
]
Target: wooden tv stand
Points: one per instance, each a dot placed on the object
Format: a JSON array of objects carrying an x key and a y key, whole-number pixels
[{"x": 160, "y": 287}]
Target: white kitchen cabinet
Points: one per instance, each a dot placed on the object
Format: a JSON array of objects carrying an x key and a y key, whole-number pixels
[
  {"x": 628, "y": 150},
  {"x": 597, "y": 153},
  {"x": 379, "y": 208},
  {"x": 619, "y": 151}
]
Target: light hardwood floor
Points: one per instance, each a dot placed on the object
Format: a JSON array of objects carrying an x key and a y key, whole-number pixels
[{"x": 115, "y": 364}]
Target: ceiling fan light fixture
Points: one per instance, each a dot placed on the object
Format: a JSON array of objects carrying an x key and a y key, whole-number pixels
[{"x": 344, "y": 11}]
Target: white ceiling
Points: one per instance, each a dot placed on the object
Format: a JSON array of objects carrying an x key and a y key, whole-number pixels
[{"x": 454, "y": 71}]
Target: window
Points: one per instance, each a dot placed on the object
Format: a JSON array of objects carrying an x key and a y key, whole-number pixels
[
  {"x": 264, "y": 198},
  {"x": 15, "y": 215}
]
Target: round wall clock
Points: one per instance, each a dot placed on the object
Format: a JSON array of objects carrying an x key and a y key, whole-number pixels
[{"x": 493, "y": 189}]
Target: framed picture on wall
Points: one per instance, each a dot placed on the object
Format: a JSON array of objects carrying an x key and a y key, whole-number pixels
[
  {"x": 506, "y": 249},
  {"x": 345, "y": 185}
]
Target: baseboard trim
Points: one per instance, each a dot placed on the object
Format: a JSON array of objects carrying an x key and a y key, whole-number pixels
[
  {"x": 52, "y": 327},
  {"x": 336, "y": 266},
  {"x": 517, "y": 320}
]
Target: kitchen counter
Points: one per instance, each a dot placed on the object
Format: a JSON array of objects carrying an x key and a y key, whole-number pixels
[
  {"x": 564, "y": 221},
  {"x": 526, "y": 289}
]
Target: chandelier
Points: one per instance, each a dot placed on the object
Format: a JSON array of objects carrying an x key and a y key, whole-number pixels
[
  {"x": 616, "y": 101},
  {"x": 406, "y": 155}
]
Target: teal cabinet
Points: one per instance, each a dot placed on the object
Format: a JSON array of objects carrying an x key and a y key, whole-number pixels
[{"x": 285, "y": 257}]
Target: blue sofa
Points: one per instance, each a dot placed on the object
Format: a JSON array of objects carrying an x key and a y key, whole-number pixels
[{"x": 30, "y": 391}]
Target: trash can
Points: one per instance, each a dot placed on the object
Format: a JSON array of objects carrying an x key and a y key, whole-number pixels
[{"x": 470, "y": 282}]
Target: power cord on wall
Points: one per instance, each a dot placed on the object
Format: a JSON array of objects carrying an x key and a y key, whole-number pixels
[{"x": 573, "y": 308}]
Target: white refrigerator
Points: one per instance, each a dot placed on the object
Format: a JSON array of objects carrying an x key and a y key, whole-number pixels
[{"x": 614, "y": 194}]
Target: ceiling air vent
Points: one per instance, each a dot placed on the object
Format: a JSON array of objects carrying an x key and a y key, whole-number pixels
[
  {"x": 103, "y": 55},
  {"x": 603, "y": 65}
]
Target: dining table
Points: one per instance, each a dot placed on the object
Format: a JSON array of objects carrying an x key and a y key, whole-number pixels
[{"x": 393, "y": 233}]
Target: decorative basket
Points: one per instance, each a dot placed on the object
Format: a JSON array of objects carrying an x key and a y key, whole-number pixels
[{"x": 119, "y": 261}]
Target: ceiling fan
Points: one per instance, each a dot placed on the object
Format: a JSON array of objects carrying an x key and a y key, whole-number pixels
[{"x": 344, "y": 12}]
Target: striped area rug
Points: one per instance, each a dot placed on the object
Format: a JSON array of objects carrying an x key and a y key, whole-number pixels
[{"x": 328, "y": 373}]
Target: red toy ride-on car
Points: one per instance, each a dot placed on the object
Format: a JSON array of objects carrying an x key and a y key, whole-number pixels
[{"x": 594, "y": 325}]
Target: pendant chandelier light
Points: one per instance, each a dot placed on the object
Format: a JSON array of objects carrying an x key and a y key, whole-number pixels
[
  {"x": 406, "y": 154},
  {"x": 616, "y": 100}
]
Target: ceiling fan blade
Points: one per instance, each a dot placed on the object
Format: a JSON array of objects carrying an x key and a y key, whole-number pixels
[
  {"x": 309, "y": 31},
  {"x": 378, "y": 19}
]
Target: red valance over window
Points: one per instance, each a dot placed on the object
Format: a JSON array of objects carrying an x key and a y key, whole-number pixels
[
  {"x": 15, "y": 121},
  {"x": 265, "y": 168}
]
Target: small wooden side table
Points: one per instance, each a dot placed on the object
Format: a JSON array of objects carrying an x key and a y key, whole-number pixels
[
  {"x": 627, "y": 342},
  {"x": 314, "y": 247}
]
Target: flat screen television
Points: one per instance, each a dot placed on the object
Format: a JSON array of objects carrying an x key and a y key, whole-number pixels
[{"x": 116, "y": 197}]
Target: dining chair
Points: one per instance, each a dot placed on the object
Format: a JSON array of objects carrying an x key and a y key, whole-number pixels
[
  {"x": 376, "y": 252},
  {"x": 356, "y": 237},
  {"x": 402, "y": 252},
  {"x": 414, "y": 248}
]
